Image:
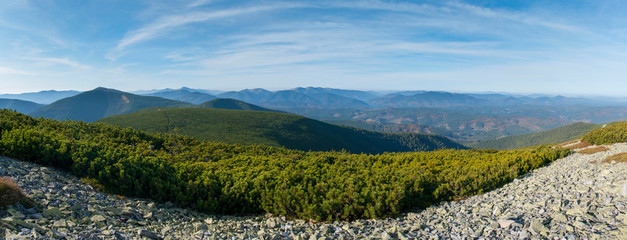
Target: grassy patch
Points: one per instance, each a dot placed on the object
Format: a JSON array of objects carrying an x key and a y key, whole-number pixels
[
  {"x": 619, "y": 158},
  {"x": 11, "y": 194},
  {"x": 582, "y": 144},
  {"x": 593, "y": 150},
  {"x": 569, "y": 142}
]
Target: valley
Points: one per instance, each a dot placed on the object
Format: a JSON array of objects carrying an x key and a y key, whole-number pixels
[
  {"x": 274, "y": 129},
  {"x": 466, "y": 118}
]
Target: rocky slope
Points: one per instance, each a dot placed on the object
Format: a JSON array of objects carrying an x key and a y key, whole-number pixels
[{"x": 570, "y": 199}]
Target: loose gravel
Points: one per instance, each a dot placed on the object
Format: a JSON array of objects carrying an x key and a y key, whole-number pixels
[{"x": 576, "y": 197}]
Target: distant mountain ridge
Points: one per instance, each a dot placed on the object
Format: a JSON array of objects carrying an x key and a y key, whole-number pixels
[
  {"x": 184, "y": 95},
  {"x": 101, "y": 102},
  {"x": 355, "y": 94},
  {"x": 427, "y": 99},
  {"x": 310, "y": 97},
  {"x": 329, "y": 98},
  {"x": 42, "y": 97},
  {"x": 21, "y": 106},
  {"x": 147, "y": 92},
  {"x": 274, "y": 129},
  {"x": 460, "y": 116},
  {"x": 233, "y": 104}
]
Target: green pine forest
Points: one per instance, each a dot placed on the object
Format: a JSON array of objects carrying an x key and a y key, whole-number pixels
[
  {"x": 274, "y": 129},
  {"x": 608, "y": 134},
  {"x": 221, "y": 178}
]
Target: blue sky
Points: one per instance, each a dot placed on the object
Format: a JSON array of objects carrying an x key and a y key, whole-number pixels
[{"x": 561, "y": 47}]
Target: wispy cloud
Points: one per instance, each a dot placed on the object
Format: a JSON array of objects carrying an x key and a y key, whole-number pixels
[
  {"x": 198, "y": 3},
  {"x": 11, "y": 71},
  {"x": 32, "y": 31},
  {"x": 513, "y": 16},
  {"x": 328, "y": 44},
  {"x": 249, "y": 43},
  {"x": 447, "y": 11},
  {"x": 426, "y": 9},
  {"x": 169, "y": 22},
  {"x": 60, "y": 61}
]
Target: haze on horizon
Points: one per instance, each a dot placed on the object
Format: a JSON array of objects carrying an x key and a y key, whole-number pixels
[{"x": 556, "y": 47}]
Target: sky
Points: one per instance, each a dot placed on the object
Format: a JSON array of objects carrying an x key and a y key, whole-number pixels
[{"x": 530, "y": 46}]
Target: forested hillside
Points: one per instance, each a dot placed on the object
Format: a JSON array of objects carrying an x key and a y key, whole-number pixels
[
  {"x": 460, "y": 124},
  {"x": 19, "y": 105},
  {"x": 556, "y": 135},
  {"x": 184, "y": 95},
  {"x": 101, "y": 102},
  {"x": 274, "y": 129},
  {"x": 233, "y": 179},
  {"x": 232, "y": 104},
  {"x": 608, "y": 134}
]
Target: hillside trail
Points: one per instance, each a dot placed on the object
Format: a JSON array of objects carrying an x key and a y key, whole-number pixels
[{"x": 576, "y": 197}]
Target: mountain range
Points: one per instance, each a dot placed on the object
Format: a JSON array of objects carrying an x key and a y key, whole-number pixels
[
  {"x": 274, "y": 129},
  {"x": 329, "y": 98},
  {"x": 184, "y": 95},
  {"x": 320, "y": 98},
  {"x": 43, "y": 97},
  {"x": 460, "y": 116}
]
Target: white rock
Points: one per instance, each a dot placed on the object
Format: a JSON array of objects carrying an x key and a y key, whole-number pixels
[{"x": 505, "y": 223}]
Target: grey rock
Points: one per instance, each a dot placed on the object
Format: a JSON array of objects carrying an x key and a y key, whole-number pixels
[
  {"x": 148, "y": 234},
  {"x": 15, "y": 213},
  {"x": 165, "y": 230},
  {"x": 97, "y": 218},
  {"x": 52, "y": 212},
  {"x": 60, "y": 223},
  {"x": 271, "y": 223},
  {"x": 385, "y": 236},
  {"x": 559, "y": 201},
  {"x": 560, "y": 217},
  {"x": 505, "y": 223},
  {"x": 538, "y": 226}
]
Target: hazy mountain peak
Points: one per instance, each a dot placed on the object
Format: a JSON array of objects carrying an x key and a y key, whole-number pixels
[
  {"x": 101, "y": 102},
  {"x": 233, "y": 104},
  {"x": 255, "y": 90},
  {"x": 103, "y": 89},
  {"x": 42, "y": 97}
]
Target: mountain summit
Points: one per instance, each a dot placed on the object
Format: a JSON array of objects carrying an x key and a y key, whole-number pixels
[{"x": 101, "y": 102}]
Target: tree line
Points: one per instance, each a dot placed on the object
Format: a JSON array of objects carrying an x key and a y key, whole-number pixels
[{"x": 220, "y": 178}]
